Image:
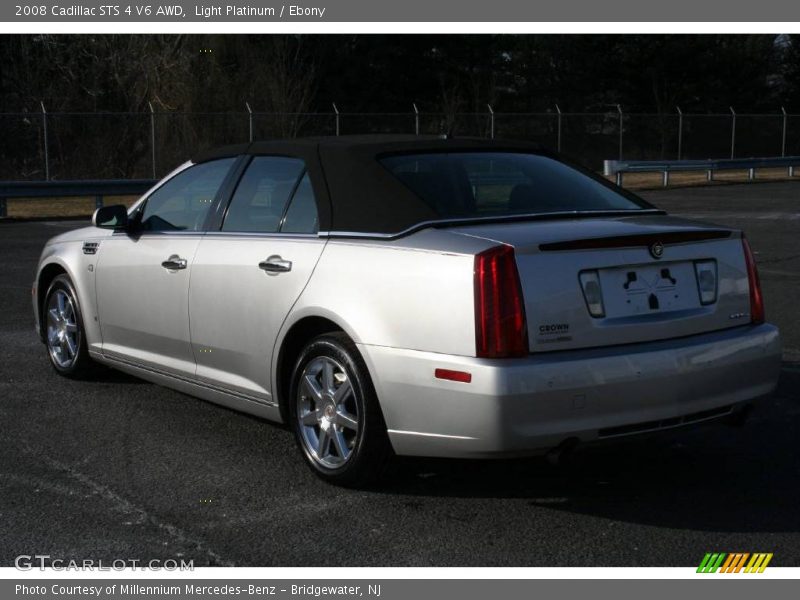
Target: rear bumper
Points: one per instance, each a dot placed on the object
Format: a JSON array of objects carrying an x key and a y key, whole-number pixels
[{"x": 531, "y": 405}]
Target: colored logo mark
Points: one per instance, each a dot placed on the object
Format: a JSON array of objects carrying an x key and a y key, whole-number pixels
[{"x": 735, "y": 562}]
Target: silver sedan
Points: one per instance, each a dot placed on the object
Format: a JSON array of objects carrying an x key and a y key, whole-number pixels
[{"x": 413, "y": 296}]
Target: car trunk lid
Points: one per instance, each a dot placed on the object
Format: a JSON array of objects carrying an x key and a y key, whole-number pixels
[{"x": 602, "y": 281}]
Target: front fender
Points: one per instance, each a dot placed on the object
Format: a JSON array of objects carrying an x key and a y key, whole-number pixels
[{"x": 81, "y": 269}]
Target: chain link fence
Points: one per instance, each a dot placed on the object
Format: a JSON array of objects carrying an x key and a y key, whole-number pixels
[{"x": 39, "y": 145}]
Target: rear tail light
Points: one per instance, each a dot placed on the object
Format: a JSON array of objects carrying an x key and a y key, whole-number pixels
[
  {"x": 706, "y": 271},
  {"x": 756, "y": 299},
  {"x": 500, "y": 327}
]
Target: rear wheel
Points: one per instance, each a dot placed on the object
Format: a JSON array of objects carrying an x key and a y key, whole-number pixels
[
  {"x": 64, "y": 332},
  {"x": 335, "y": 413}
]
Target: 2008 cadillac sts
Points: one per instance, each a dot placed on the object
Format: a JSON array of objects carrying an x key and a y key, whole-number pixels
[{"x": 417, "y": 296}]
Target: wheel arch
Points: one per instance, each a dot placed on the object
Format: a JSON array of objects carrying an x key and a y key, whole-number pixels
[
  {"x": 47, "y": 273},
  {"x": 297, "y": 334}
]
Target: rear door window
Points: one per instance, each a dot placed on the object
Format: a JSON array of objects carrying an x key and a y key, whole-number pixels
[
  {"x": 262, "y": 196},
  {"x": 301, "y": 216}
]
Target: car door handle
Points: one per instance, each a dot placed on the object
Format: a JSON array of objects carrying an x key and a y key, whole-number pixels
[
  {"x": 275, "y": 264},
  {"x": 174, "y": 263}
]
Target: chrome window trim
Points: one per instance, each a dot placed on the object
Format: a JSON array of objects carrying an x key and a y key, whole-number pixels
[
  {"x": 146, "y": 234},
  {"x": 259, "y": 234}
]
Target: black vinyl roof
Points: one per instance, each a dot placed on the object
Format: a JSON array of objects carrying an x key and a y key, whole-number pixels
[{"x": 355, "y": 193}]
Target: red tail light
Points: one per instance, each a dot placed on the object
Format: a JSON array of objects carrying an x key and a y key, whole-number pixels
[
  {"x": 500, "y": 328},
  {"x": 756, "y": 299}
]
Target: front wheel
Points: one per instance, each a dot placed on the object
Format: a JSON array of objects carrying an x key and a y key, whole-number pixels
[
  {"x": 64, "y": 332},
  {"x": 335, "y": 413}
]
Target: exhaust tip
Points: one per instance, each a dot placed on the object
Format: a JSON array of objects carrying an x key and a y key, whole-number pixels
[{"x": 560, "y": 454}]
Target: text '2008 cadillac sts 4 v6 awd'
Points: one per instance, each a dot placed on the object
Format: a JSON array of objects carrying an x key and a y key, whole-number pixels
[{"x": 411, "y": 295}]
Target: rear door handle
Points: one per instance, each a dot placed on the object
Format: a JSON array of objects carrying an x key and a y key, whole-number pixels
[
  {"x": 174, "y": 262},
  {"x": 275, "y": 264}
]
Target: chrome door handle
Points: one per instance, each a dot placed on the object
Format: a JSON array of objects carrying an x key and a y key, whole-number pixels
[
  {"x": 174, "y": 262},
  {"x": 275, "y": 264}
]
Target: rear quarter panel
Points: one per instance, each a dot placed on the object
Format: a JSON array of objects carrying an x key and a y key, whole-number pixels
[{"x": 415, "y": 294}]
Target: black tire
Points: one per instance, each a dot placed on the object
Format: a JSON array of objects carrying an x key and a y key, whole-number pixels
[
  {"x": 369, "y": 446},
  {"x": 81, "y": 365}
]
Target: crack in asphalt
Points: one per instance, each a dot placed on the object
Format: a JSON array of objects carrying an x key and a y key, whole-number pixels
[{"x": 126, "y": 507}]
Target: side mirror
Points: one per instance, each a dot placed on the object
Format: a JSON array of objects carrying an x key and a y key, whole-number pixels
[{"x": 111, "y": 217}]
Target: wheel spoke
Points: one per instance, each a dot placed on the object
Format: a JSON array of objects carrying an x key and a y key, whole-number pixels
[
  {"x": 312, "y": 386},
  {"x": 72, "y": 327},
  {"x": 310, "y": 419},
  {"x": 70, "y": 345},
  {"x": 69, "y": 310},
  {"x": 323, "y": 442},
  {"x": 60, "y": 303},
  {"x": 327, "y": 377},
  {"x": 343, "y": 392},
  {"x": 52, "y": 335},
  {"x": 53, "y": 315},
  {"x": 341, "y": 444},
  {"x": 347, "y": 420}
]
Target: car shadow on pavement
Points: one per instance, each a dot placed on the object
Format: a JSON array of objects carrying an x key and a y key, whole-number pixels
[
  {"x": 108, "y": 375},
  {"x": 714, "y": 477}
]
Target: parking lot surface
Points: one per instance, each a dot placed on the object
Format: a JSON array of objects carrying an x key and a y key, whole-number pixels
[{"x": 122, "y": 469}]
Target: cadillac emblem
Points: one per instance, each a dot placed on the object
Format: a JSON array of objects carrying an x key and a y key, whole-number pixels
[{"x": 656, "y": 249}]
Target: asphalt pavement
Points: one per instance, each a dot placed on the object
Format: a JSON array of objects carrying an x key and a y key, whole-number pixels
[{"x": 117, "y": 468}]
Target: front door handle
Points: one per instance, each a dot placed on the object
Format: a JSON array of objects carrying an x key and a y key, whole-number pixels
[
  {"x": 275, "y": 264},
  {"x": 174, "y": 262}
]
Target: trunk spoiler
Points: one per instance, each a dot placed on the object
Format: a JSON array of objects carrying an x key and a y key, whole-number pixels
[{"x": 638, "y": 240}]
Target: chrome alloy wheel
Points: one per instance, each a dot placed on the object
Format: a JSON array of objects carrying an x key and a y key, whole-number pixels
[
  {"x": 63, "y": 333},
  {"x": 327, "y": 411}
]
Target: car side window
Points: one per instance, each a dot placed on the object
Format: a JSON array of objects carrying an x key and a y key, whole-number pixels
[
  {"x": 301, "y": 217},
  {"x": 260, "y": 199},
  {"x": 183, "y": 202}
]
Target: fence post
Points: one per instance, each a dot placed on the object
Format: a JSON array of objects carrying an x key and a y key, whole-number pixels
[
  {"x": 783, "y": 134},
  {"x": 416, "y": 118},
  {"x": 152, "y": 139},
  {"x": 46, "y": 144},
  {"x": 733, "y": 131},
  {"x": 336, "y": 110},
  {"x": 558, "y": 129},
  {"x": 250, "y": 119},
  {"x": 680, "y": 131},
  {"x": 619, "y": 110},
  {"x": 491, "y": 121}
]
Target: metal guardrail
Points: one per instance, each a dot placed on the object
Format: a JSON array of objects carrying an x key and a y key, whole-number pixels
[
  {"x": 99, "y": 188},
  {"x": 620, "y": 167}
]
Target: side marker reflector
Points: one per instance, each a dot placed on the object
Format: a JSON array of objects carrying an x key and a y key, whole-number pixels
[{"x": 461, "y": 376}]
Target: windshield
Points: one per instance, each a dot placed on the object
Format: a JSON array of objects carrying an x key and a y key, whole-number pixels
[{"x": 492, "y": 184}]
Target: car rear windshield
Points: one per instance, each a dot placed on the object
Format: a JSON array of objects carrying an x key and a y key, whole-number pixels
[{"x": 493, "y": 184}]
